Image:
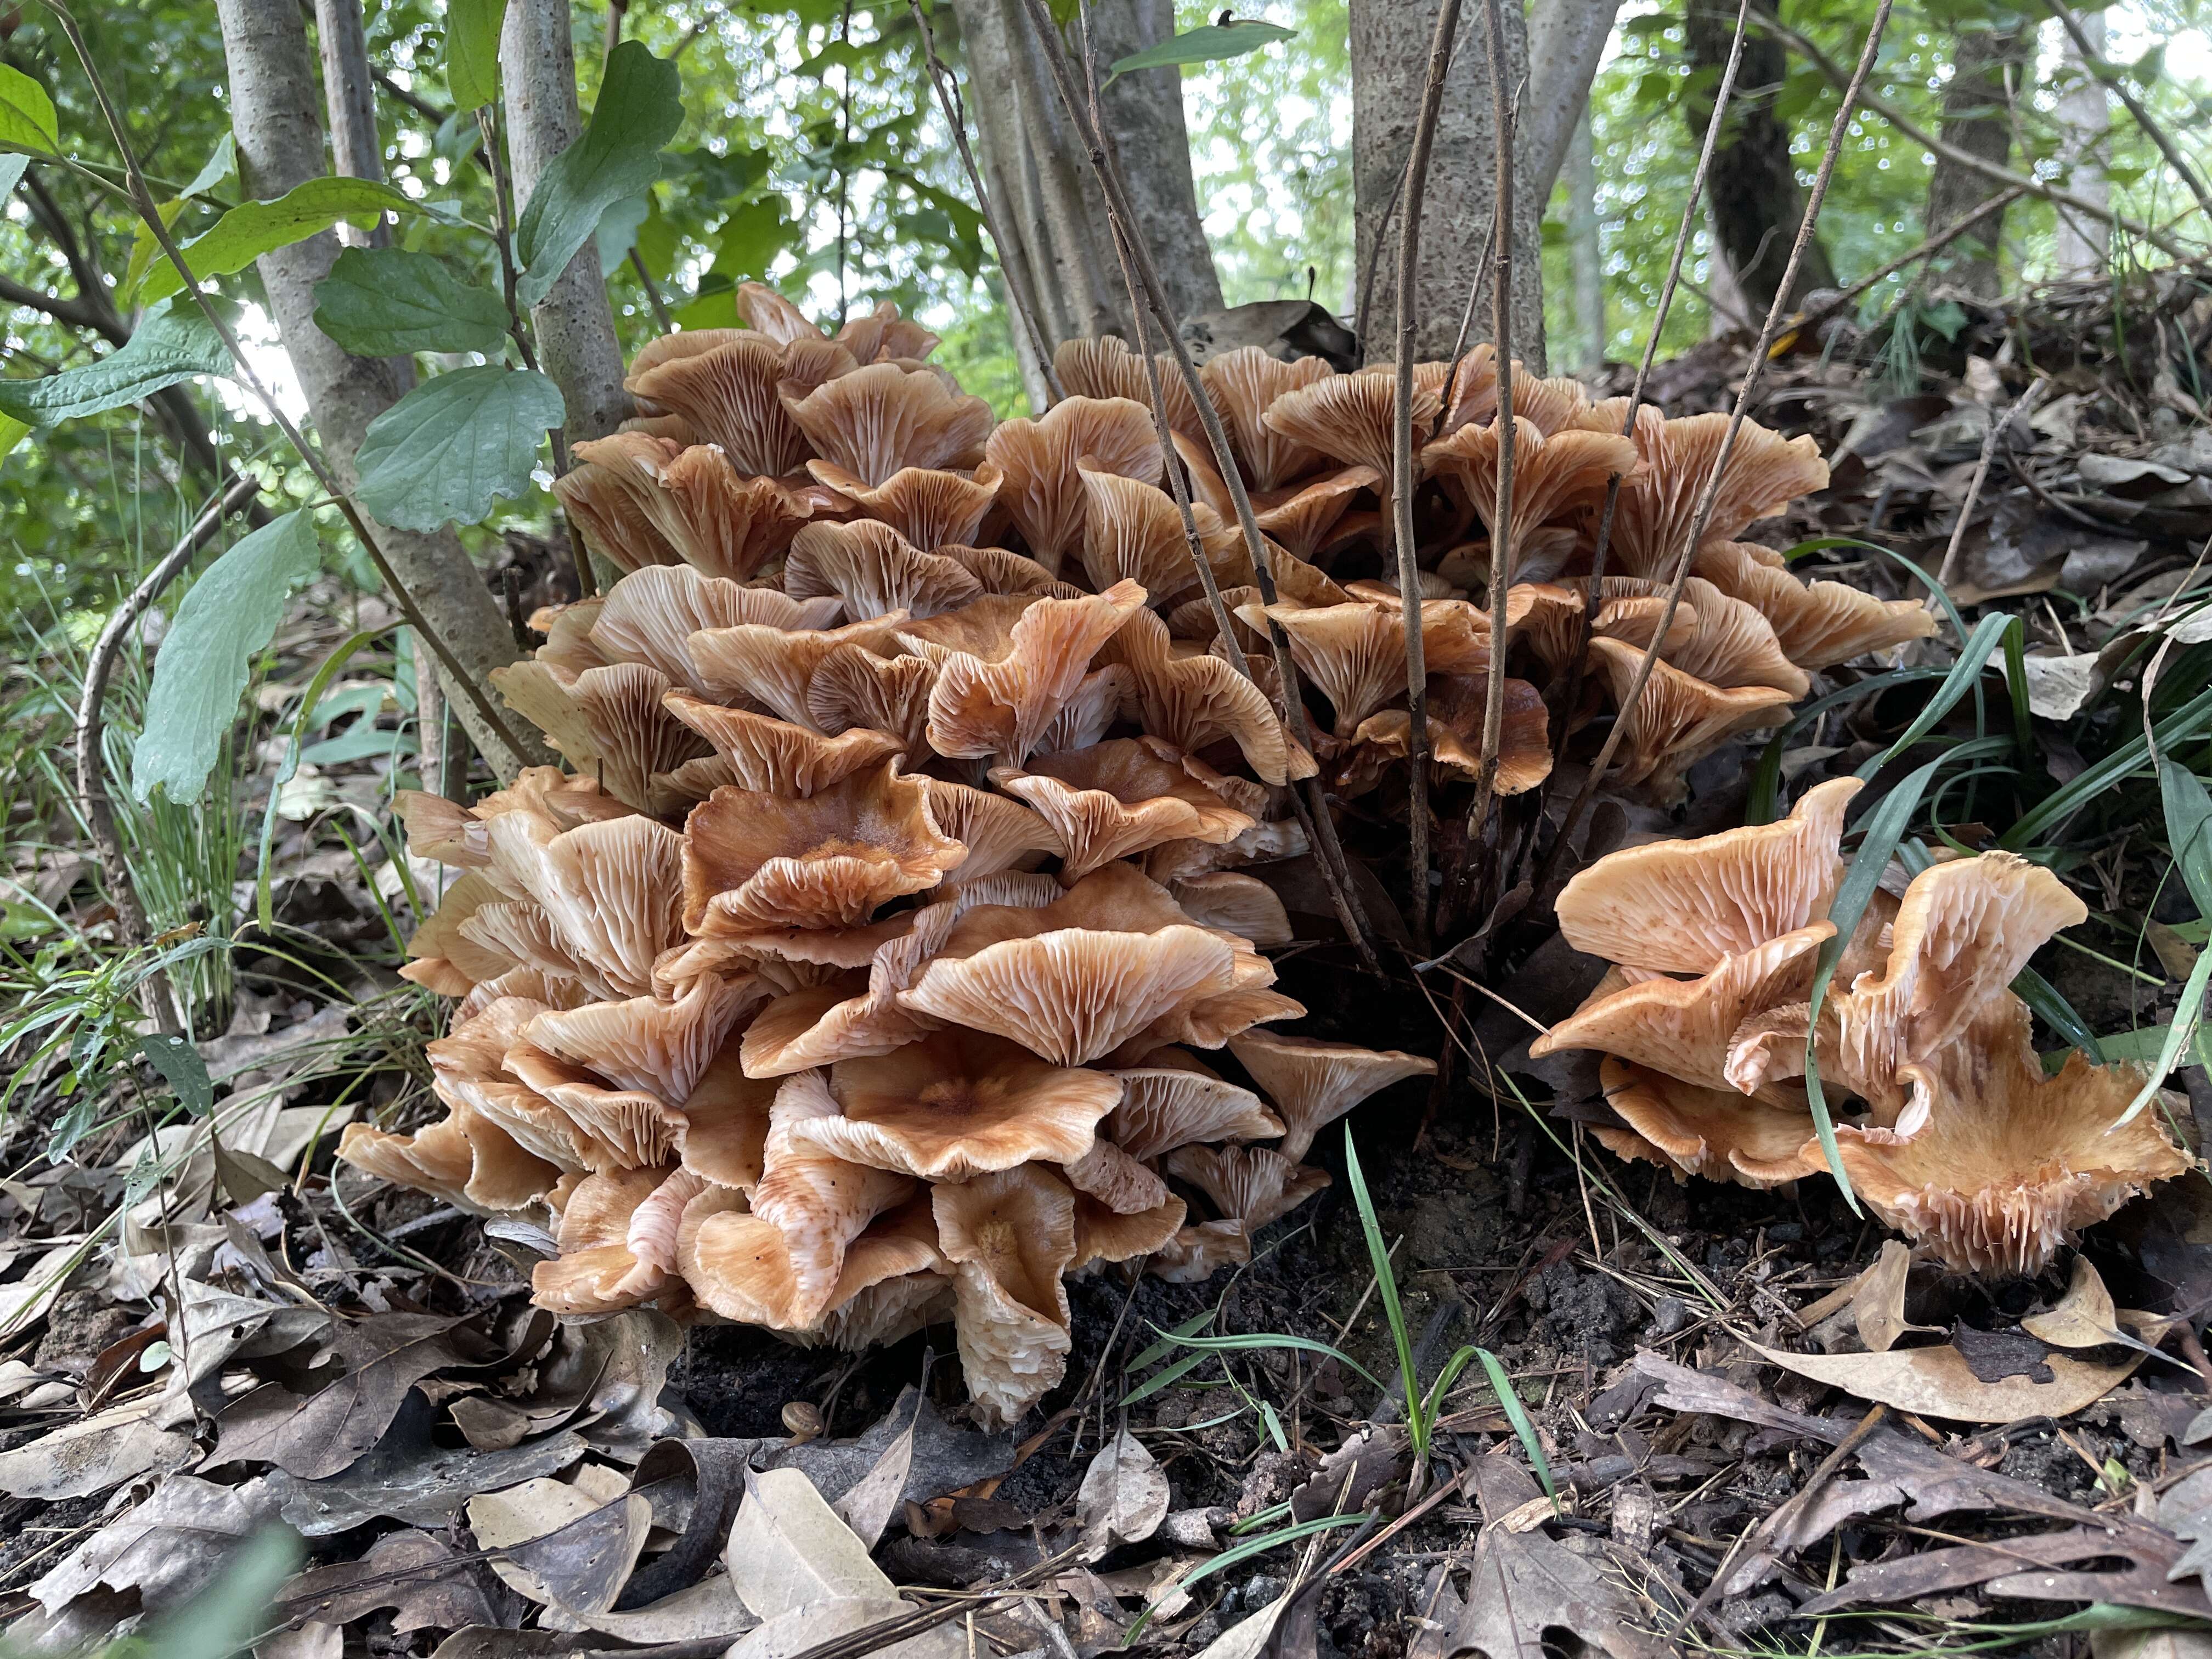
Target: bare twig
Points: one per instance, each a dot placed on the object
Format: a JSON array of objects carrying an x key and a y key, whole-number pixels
[
  {"x": 2094, "y": 62},
  {"x": 1934, "y": 245},
  {"x": 1013, "y": 263},
  {"x": 2000, "y": 422},
  {"x": 652, "y": 293},
  {"x": 154, "y": 993},
  {"x": 1402, "y": 473},
  {"x": 149, "y": 214}
]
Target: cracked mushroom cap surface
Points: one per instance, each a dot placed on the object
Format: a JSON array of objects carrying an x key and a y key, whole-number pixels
[
  {"x": 1041, "y": 483},
  {"x": 1685, "y": 907},
  {"x": 1011, "y": 1236},
  {"x": 878, "y": 420},
  {"x": 1312, "y": 1083},
  {"x": 956, "y": 1104},
  {"x": 875, "y": 571},
  {"x": 1120, "y": 797}
]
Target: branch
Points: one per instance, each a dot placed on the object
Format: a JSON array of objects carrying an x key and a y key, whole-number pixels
[
  {"x": 2112, "y": 77},
  {"x": 75, "y": 313}
]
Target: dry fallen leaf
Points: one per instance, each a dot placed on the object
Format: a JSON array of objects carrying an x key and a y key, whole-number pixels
[
  {"x": 169, "y": 1549},
  {"x": 868, "y": 1505},
  {"x": 97, "y": 1452},
  {"x": 1878, "y": 1301},
  {"x": 788, "y": 1550},
  {"x": 1522, "y": 1585},
  {"x": 1123, "y": 1498},
  {"x": 1937, "y": 1382},
  {"x": 2084, "y": 1316}
]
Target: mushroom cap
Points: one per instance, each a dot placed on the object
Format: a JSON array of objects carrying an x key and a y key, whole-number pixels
[
  {"x": 1351, "y": 418},
  {"x": 774, "y": 665},
  {"x": 1091, "y": 711},
  {"x": 1685, "y": 907},
  {"x": 1116, "y": 1183},
  {"x": 878, "y": 420},
  {"x": 956, "y": 1104},
  {"x": 1733, "y": 645},
  {"x": 469, "y": 1068},
  {"x": 2010, "y": 1163},
  {"x": 1302, "y": 516},
  {"x": 761, "y": 753},
  {"x": 1715, "y": 1133},
  {"x": 818, "y": 1203},
  {"x": 617, "y": 1238},
  {"x": 886, "y": 334},
  {"x": 854, "y": 687},
  {"x": 755, "y": 859},
  {"x": 1197, "y": 1252},
  {"x": 1003, "y": 571},
  {"x": 721, "y": 1128},
  {"x": 1356, "y": 652},
  {"x": 999, "y": 833},
  {"x": 445, "y": 959},
  {"x": 1012, "y": 1237},
  {"x": 727, "y": 395},
  {"x": 1001, "y": 705},
  {"x": 1456, "y": 702},
  {"x": 928, "y": 506},
  {"x": 1817, "y": 624},
  {"x": 895, "y": 1280},
  {"x": 1105, "y": 1234},
  {"x": 1132, "y": 532},
  {"x": 599, "y": 902},
  {"x": 610, "y": 721},
  {"x": 438, "y": 828},
  {"x": 1652, "y": 519},
  {"x": 1628, "y": 609},
  {"x": 1121, "y": 797},
  {"x": 1255, "y": 1185},
  {"x": 1313, "y": 1083},
  {"x": 1231, "y": 904},
  {"x": 1244, "y": 384},
  {"x": 1103, "y": 367},
  {"x": 1163, "y": 1106},
  {"x": 1684, "y": 1027},
  {"x": 737, "y": 525},
  {"x": 768, "y": 313},
  {"x": 1041, "y": 487},
  {"x": 1193, "y": 700},
  {"x": 875, "y": 571},
  {"x": 650, "y": 615},
  {"x": 613, "y": 496},
  {"x": 1551, "y": 405},
  {"x": 442, "y": 1159},
  {"x": 1678, "y": 720},
  {"x": 1554, "y": 479}
]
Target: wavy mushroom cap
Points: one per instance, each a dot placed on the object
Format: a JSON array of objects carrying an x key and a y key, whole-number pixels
[
  {"x": 1657, "y": 505},
  {"x": 999, "y": 833},
  {"x": 1685, "y": 907},
  {"x": 649, "y": 616},
  {"x": 1232, "y": 903},
  {"x": 928, "y": 506},
  {"x": 877, "y": 421},
  {"x": 1103, "y": 368},
  {"x": 1196, "y": 1252},
  {"x": 598, "y": 903},
  {"x": 1011, "y": 1236},
  {"x": 1163, "y": 1106},
  {"x": 851, "y": 687},
  {"x": 728, "y": 396},
  {"x": 1817, "y": 624},
  {"x": 769, "y": 314},
  {"x": 1678, "y": 720},
  {"x": 1255, "y": 1185},
  {"x": 773, "y": 665},
  {"x": 738, "y": 525},
  {"x": 1104, "y": 1233},
  {"x": 1733, "y": 645},
  {"x": 1554, "y": 477},
  {"x": 875, "y": 571},
  {"x": 885, "y": 334},
  {"x": 755, "y": 859},
  {"x": 462, "y": 1159},
  {"x": 954, "y": 1105},
  {"x": 1356, "y": 652},
  {"x": 1132, "y": 532},
  {"x": 1351, "y": 418},
  {"x": 1041, "y": 485},
  {"x": 721, "y": 1128},
  {"x": 1000, "y": 705},
  {"x": 1627, "y": 610},
  {"x": 1456, "y": 703},
  {"x": 443, "y": 958},
  {"x": 1244, "y": 384},
  {"x": 1118, "y": 798},
  {"x": 1193, "y": 700},
  {"x": 617, "y": 1238},
  {"x": 1715, "y": 1133},
  {"x": 611, "y": 723},
  {"x": 613, "y": 496},
  {"x": 1304, "y": 517},
  {"x": 761, "y": 753},
  {"x": 1313, "y": 1083},
  {"x": 1003, "y": 571}
]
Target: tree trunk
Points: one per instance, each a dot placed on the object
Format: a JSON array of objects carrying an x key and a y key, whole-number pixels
[
  {"x": 1390, "y": 41},
  {"x": 574, "y": 324},
  {"x": 1752, "y": 187},
  {"x": 2084, "y": 115},
  {"x": 1586, "y": 248},
  {"x": 1063, "y": 257},
  {"x": 279, "y": 146},
  {"x": 1726, "y": 307},
  {"x": 1978, "y": 118},
  {"x": 349, "y": 92},
  {"x": 1566, "y": 37}
]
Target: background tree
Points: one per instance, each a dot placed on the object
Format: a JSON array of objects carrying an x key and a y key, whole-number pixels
[{"x": 1992, "y": 54}]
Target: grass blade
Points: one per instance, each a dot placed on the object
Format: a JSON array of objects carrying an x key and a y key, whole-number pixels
[
  {"x": 1509, "y": 1400},
  {"x": 2039, "y": 994},
  {"x": 1261, "y": 1341},
  {"x": 290, "y": 768},
  {"x": 1386, "y": 1283}
]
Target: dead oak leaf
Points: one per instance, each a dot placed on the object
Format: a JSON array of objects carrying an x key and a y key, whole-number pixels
[
  {"x": 169, "y": 1549},
  {"x": 1524, "y": 1585},
  {"x": 424, "y": 1583},
  {"x": 1939, "y": 1382}
]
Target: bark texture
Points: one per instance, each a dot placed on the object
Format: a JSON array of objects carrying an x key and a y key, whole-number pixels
[
  {"x": 1585, "y": 248},
  {"x": 349, "y": 92},
  {"x": 1977, "y": 118},
  {"x": 574, "y": 324},
  {"x": 1752, "y": 187},
  {"x": 1390, "y": 41},
  {"x": 1566, "y": 37},
  {"x": 1062, "y": 259},
  {"x": 2085, "y": 113},
  {"x": 279, "y": 146}
]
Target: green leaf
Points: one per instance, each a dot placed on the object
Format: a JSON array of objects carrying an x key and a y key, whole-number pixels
[
  {"x": 12, "y": 432},
  {"x": 454, "y": 445},
  {"x": 253, "y": 228},
  {"x": 1516, "y": 1413},
  {"x": 472, "y": 51},
  {"x": 641, "y": 106},
  {"x": 220, "y": 168},
  {"x": 163, "y": 350},
  {"x": 385, "y": 302},
  {"x": 750, "y": 239},
  {"x": 225, "y": 621},
  {"x": 618, "y": 231},
  {"x": 301, "y": 722},
  {"x": 2188, "y": 829},
  {"x": 1207, "y": 45},
  {"x": 182, "y": 1069},
  {"x": 2188, "y": 1015},
  {"x": 27, "y": 114}
]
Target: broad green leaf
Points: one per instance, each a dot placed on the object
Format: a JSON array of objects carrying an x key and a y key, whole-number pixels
[
  {"x": 225, "y": 621},
  {"x": 641, "y": 106},
  {"x": 220, "y": 168},
  {"x": 146, "y": 249},
  {"x": 253, "y": 228},
  {"x": 182, "y": 1069},
  {"x": 618, "y": 231},
  {"x": 2188, "y": 829},
  {"x": 750, "y": 238},
  {"x": 1206, "y": 44},
  {"x": 472, "y": 50},
  {"x": 385, "y": 302},
  {"x": 27, "y": 114},
  {"x": 12, "y": 432},
  {"x": 165, "y": 350},
  {"x": 454, "y": 445}
]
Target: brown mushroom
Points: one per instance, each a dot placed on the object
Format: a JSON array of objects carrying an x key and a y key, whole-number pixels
[
  {"x": 1255, "y": 1185},
  {"x": 599, "y": 902},
  {"x": 1105, "y": 1234},
  {"x": 649, "y": 616},
  {"x": 1657, "y": 505},
  {"x": 1312, "y": 1083},
  {"x": 610, "y": 721},
  {"x": 1132, "y": 532},
  {"x": 1627, "y": 610},
  {"x": 1678, "y": 720},
  {"x": 464, "y": 1159},
  {"x": 1166, "y": 1106},
  {"x": 1817, "y": 624},
  {"x": 1006, "y": 572},
  {"x": 1456, "y": 702},
  {"x": 728, "y": 396},
  {"x": 1356, "y": 652},
  {"x": 1193, "y": 700},
  {"x": 1119, "y": 798},
  {"x": 1553, "y": 477},
  {"x": 1042, "y": 487},
  {"x": 1011, "y": 1236},
  {"x": 1196, "y": 1252},
  {"x": 768, "y": 313},
  {"x": 1351, "y": 418},
  {"x": 878, "y": 420},
  {"x": 1715, "y": 1133},
  {"x": 885, "y": 334},
  {"x": 929, "y": 506},
  {"x": 617, "y": 1238},
  {"x": 852, "y": 687},
  {"x": 1103, "y": 368},
  {"x": 760, "y": 752},
  {"x": 775, "y": 666},
  {"x": 1000, "y": 684},
  {"x": 876, "y": 572},
  {"x": 1231, "y": 904},
  {"x": 1305, "y": 517},
  {"x": 1244, "y": 384}
]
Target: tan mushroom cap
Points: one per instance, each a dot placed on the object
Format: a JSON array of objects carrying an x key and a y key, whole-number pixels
[
  {"x": 1733, "y": 645},
  {"x": 1305, "y": 516},
  {"x": 1121, "y": 797},
  {"x": 464, "y": 1159},
  {"x": 895, "y": 1281},
  {"x": 1627, "y": 610},
  {"x": 1112, "y": 959},
  {"x": 755, "y": 859},
  {"x": 607, "y": 898},
  {"x": 1817, "y": 624},
  {"x": 1552, "y": 406},
  {"x": 446, "y": 960},
  {"x": 1312, "y": 1083},
  {"x": 1166, "y": 1106},
  {"x": 886, "y": 333},
  {"x": 1233, "y": 903},
  {"x": 1003, "y": 571},
  {"x": 1255, "y": 1185},
  {"x": 956, "y": 1104},
  {"x": 1244, "y": 384},
  {"x": 1103, "y": 368},
  {"x": 1715, "y": 1133},
  {"x": 721, "y": 1128},
  {"x": 1105, "y": 1234},
  {"x": 1115, "y": 1181},
  {"x": 646, "y": 502},
  {"x": 1351, "y": 418},
  {"x": 613, "y": 496},
  {"x": 469, "y": 1068},
  {"x": 1456, "y": 703},
  {"x": 999, "y": 705},
  {"x": 1132, "y": 532},
  {"x": 2010, "y": 1163},
  {"x": 1685, "y": 907},
  {"x": 1196, "y": 1252},
  {"x": 1041, "y": 487},
  {"x": 650, "y": 616},
  {"x": 1193, "y": 700},
  {"x": 728, "y": 394},
  {"x": 1652, "y": 519},
  {"x": 739, "y": 524},
  {"x": 768, "y": 313},
  {"x": 999, "y": 833},
  {"x": 438, "y": 829},
  {"x": 617, "y": 1238},
  {"x": 1012, "y": 1237},
  {"x": 1678, "y": 720},
  {"x": 611, "y": 723},
  {"x": 773, "y": 665},
  {"x": 1554, "y": 479},
  {"x": 762, "y": 753},
  {"x": 854, "y": 688},
  {"x": 928, "y": 506},
  {"x": 1684, "y": 1027},
  {"x": 876, "y": 571},
  {"x": 1356, "y": 652},
  {"x": 690, "y": 343},
  {"x": 877, "y": 421}
]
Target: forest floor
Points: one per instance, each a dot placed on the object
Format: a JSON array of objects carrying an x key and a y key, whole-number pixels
[{"x": 1740, "y": 1421}]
